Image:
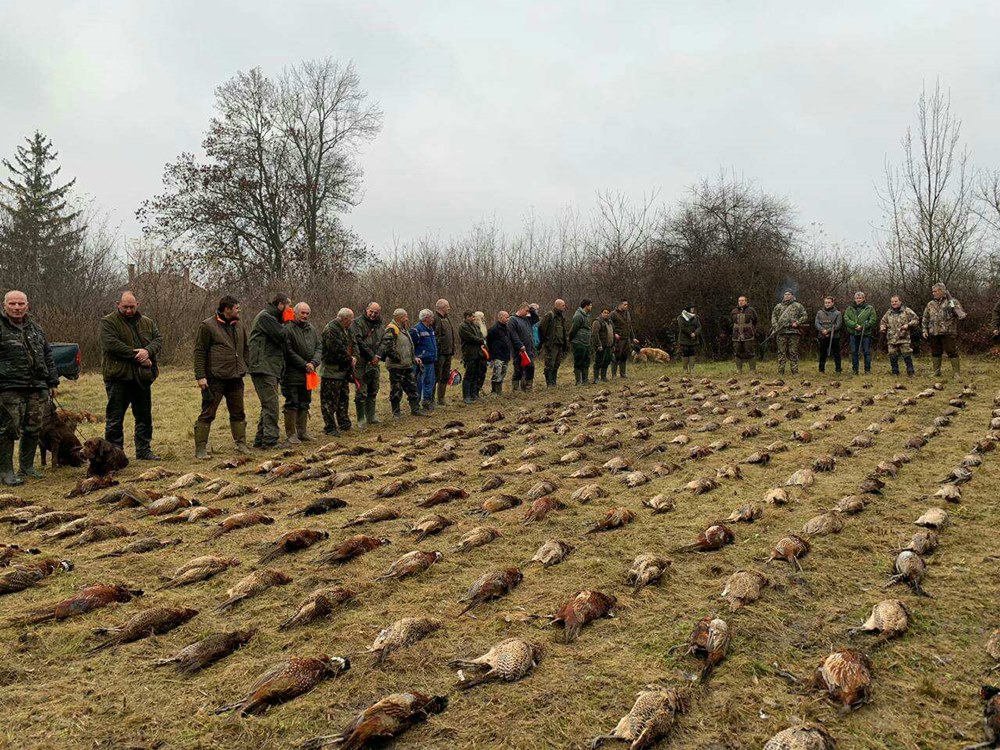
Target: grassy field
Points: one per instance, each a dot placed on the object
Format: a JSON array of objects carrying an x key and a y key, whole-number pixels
[{"x": 925, "y": 683}]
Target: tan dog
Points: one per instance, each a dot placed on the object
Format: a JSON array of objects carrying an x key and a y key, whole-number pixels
[{"x": 649, "y": 354}]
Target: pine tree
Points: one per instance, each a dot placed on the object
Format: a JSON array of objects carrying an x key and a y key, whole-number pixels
[{"x": 40, "y": 234}]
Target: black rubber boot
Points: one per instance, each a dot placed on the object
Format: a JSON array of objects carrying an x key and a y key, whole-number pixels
[
  {"x": 370, "y": 410},
  {"x": 26, "y": 450},
  {"x": 359, "y": 409},
  {"x": 7, "y": 475}
]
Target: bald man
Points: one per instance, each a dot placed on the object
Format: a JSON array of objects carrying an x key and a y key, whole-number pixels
[
  {"x": 366, "y": 335},
  {"x": 554, "y": 335},
  {"x": 131, "y": 344},
  {"x": 303, "y": 354},
  {"x": 27, "y": 377},
  {"x": 444, "y": 334}
]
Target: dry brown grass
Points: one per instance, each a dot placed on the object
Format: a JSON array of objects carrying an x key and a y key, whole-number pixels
[{"x": 925, "y": 683}]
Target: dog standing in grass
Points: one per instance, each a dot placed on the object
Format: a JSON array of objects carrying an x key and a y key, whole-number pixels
[{"x": 650, "y": 354}]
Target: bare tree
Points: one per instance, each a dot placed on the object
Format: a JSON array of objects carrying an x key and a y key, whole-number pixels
[
  {"x": 931, "y": 231},
  {"x": 326, "y": 116}
]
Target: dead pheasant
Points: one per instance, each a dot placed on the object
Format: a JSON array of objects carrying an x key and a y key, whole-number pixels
[
  {"x": 167, "y": 505},
  {"x": 187, "y": 480},
  {"x": 11, "y": 552},
  {"x": 443, "y": 495},
  {"x": 292, "y": 541},
  {"x": 890, "y": 618},
  {"x": 540, "y": 489},
  {"x": 374, "y": 515},
  {"x": 287, "y": 680},
  {"x": 101, "y": 533},
  {"x": 241, "y": 521},
  {"x": 846, "y": 678},
  {"x": 552, "y": 552},
  {"x": 410, "y": 564},
  {"x": 394, "y": 488},
  {"x": 615, "y": 518},
  {"x": 802, "y": 737},
  {"x": 320, "y": 603},
  {"x": 924, "y": 542},
  {"x": 350, "y": 548},
  {"x": 429, "y": 525},
  {"x": 476, "y": 537},
  {"x": 791, "y": 549},
  {"x": 491, "y": 585},
  {"x": 508, "y": 661},
  {"x": 26, "y": 574},
  {"x": 199, "y": 569},
  {"x": 256, "y": 583},
  {"x": 192, "y": 515},
  {"x": 744, "y": 587},
  {"x": 207, "y": 651},
  {"x": 659, "y": 503},
  {"x": 156, "y": 621},
  {"x": 647, "y": 569},
  {"x": 401, "y": 634},
  {"x": 933, "y": 518},
  {"x": 710, "y": 641},
  {"x": 910, "y": 568},
  {"x": 990, "y": 696},
  {"x": 747, "y": 513},
  {"x": 652, "y": 718},
  {"x": 715, "y": 537},
  {"x": 823, "y": 524},
  {"x": 585, "y": 607},
  {"x": 382, "y": 721},
  {"x": 541, "y": 508},
  {"x": 320, "y": 506},
  {"x": 91, "y": 484},
  {"x": 93, "y": 597},
  {"x": 141, "y": 546}
]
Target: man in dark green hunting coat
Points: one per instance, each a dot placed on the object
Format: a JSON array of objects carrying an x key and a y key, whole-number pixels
[{"x": 267, "y": 365}]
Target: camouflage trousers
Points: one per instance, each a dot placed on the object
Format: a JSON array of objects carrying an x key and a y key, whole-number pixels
[
  {"x": 788, "y": 351},
  {"x": 401, "y": 380},
  {"x": 21, "y": 412},
  {"x": 334, "y": 393}
]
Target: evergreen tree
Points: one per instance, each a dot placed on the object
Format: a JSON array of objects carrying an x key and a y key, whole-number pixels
[{"x": 40, "y": 233}]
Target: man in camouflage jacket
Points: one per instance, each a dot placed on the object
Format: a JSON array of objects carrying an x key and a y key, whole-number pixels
[
  {"x": 940, "y": 325},
  {"x": 787, "y": 320},
  {"x": 897, "y": 324}
]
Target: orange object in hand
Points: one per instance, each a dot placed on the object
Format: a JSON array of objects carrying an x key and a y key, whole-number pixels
[
  {"x": 288, "y": 314},
  {"x": 312, "y": 381}
]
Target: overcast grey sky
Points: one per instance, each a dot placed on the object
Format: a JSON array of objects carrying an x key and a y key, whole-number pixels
[{"x": 494, "y": 110}]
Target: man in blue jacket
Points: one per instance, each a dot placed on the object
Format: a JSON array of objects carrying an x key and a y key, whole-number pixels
[
  {"x": 522, "y": 345},
  {"x": 425, "y": 356}
]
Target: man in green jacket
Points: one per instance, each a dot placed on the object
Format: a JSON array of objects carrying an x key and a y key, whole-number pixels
[
  {"x": 28, "y": 378},
  {"x": 366, "y": 333},
  {"x": 220, "y": 363},
  {"x": 302, "y": 358},
  {"x": 337, "y": 372},
  {"x": 130, "y": 343},
  {"x": 625, "y": 337},
  {"x": 267, "y": 365},
  {"x": 397, "y": 353},
  {"x": 553, "y": 334},
  {"x": 473, "y": 342},
  {"x": 860, "y": 321},
  {"x": 602, "y": 336},
  {"x": 579, "y": 337},
  {"x": 787, "y": 319}
]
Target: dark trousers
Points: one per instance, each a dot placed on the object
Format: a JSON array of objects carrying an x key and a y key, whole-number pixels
[
  {"x": 944, "y": 344},
  {"x": 334, "y": 393},
  {"x": 297, "y": 397},
  {"x": 861, "y": 345},
  {"x": 475, "y": 369},
  {"x": 368, "y": 377},
  {"x": 581, "y": 358},
  {"x": 823, "y": 345},
  {"x": 442, "y": 371},
  {"x": 230, "y": 389},
  {"x": 267, "y": 426},
  {"x": 602, "y": 358},
  {"x": 401, "y": 381},
  {"x": 553, "y": 358},
  {"x": 121, "y": 395},
  {"x": 21, "y": 412},
  {"x": 522, "y": 376}
]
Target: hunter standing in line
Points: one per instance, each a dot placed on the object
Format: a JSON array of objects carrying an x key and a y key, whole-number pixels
[
  {"x": 602, "y": 334},
  {"x": 579, "y": 337},
  {"x": 553, "y": 334},
  {"x": 688, "y": 336},
  {"x": 397, "y": 352},
  {"x": 499, "y": 346},
  {"x": 367, "y": 335},
  {"x": 897, "y": 323},
  {"x": 828, "y": 323},
  {"x": 940, "y": 325},
  {"x": 744, "y": 319},
  {"x": 480, "y": 319},
  {"x": 303, "y": 355},
  {"x": 787, "y": 319},
  {"x": 522, "y": 345},
  {"x": 336, "y": 373},
  {"x": 130, "y": 342},
  {"x": 267, "y": 365},
  {"x": 221, "y": 353},
  {"x": 28, "y": 378},
  {"x": 860, "y": 321},
  {"x": 625, "y": 338},
  {"x": 473, "y": 344},
  {"x": 444, "y": 331},
  {"x": 425, "y": 355}
]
